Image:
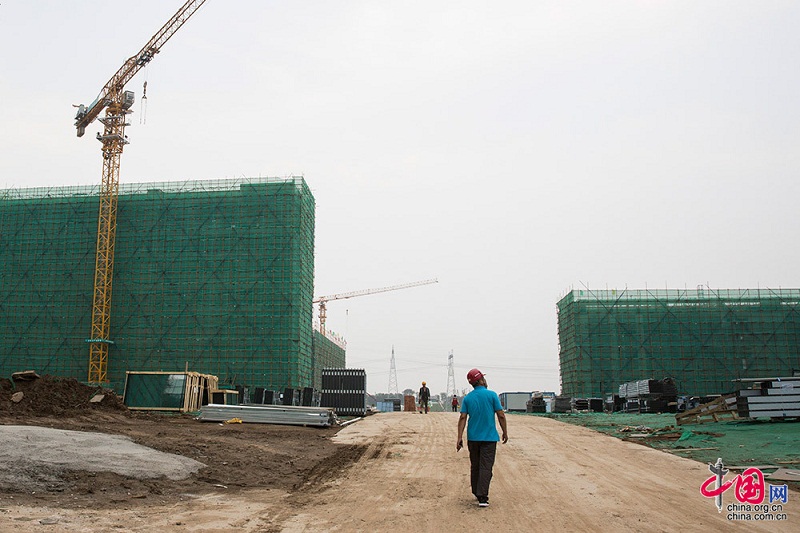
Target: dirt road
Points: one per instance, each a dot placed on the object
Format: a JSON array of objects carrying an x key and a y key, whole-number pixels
[{"x": 551, "y": 476}]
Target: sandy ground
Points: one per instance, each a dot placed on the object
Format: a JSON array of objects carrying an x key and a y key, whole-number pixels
[{"x": 551, "y": 476}]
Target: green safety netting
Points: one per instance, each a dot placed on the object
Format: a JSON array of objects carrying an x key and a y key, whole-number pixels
[
  {"x": 216, "y": 276},
  {"x": 702, "y": 338}
]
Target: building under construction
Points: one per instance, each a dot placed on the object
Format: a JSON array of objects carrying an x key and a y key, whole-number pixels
[
  {"x": 702, "y": 338},
  {"x": 213, "y": 276}
]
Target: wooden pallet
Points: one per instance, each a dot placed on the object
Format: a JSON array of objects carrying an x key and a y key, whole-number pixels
[{"x": 721, "y": 409}]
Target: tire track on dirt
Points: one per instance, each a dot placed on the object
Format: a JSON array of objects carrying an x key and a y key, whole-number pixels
[{"x": 550, "y": 476}]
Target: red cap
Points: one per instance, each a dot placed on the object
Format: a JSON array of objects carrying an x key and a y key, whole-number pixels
[{"x": 474, "y": 375}]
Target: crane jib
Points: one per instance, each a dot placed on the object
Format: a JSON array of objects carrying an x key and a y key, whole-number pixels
[{"x": 87, "y": 115}]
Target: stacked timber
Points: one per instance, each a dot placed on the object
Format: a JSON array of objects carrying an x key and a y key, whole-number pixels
[
  {"x": 770, "y": 398},
  {"x": 268, "y": 414}
]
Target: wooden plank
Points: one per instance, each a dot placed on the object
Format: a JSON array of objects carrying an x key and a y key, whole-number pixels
[
  {"x": 715, "y": 404},
  {"x": 722, "y": 407}
]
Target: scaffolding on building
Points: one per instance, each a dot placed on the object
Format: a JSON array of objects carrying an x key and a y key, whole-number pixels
[
  {"x": 214, "y": 275},
  {"x": 702, "y": 338}
]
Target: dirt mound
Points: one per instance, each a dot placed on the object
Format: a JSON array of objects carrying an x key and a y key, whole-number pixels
[{"x": 50, "y": 395}]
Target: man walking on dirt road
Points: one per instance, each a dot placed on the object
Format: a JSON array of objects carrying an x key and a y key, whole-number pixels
[
  {"x": 424, "y": 397},
  {"x": 481, "y": 406}
]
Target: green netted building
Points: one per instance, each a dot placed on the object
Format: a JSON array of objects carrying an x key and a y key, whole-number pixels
[
  {"x": 213, "y": 276},
  {"x": 702, "y": 338}
]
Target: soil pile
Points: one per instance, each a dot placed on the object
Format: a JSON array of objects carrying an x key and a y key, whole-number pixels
[
  {"x": 237, "y": 457},
  {"x": 48, "y": 395}
]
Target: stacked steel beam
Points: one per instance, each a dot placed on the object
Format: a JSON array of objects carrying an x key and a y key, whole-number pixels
[
  {"x": 269, "y": 414},
  {"x": 770, "y": 398}
]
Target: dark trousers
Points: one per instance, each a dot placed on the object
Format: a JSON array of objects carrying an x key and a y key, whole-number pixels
[{"x": 481, "y": 460}]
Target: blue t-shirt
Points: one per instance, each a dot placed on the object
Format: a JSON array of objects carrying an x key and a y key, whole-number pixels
[{"x": 480, "y": 405}]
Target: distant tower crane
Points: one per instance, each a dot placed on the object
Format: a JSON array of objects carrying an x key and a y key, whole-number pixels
[
  {"x": 321, "y": 300},
  {"x": 117, "y": 102}
]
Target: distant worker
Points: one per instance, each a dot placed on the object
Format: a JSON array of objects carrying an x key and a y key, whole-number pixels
[
  {"x": 481, "y": 406},
  {"x": 455, "y": 403},
  {"x": 424, "y": 398}
]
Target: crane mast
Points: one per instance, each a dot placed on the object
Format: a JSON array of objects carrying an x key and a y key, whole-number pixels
[
  {"x": 321, "y": 300},
  {"x": 117, "y": 103}
]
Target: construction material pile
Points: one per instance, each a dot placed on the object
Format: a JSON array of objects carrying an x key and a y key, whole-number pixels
[
  {"x": 562, "y": 404},
  {"x": 536, "y": 404},
  {"x": 269, "y": 414},
  {"x": 649, "y": 396},
  {"x": 345, "y": 390},
  {"x": 28, "y": 394},
  {"x": 770, "y": 398},
  {"x": 719, "y": 409}
]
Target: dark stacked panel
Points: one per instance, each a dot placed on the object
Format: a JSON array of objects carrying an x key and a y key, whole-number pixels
[
  {"x": 345, "y": 390},
  {"x": 562, "y": 404},
  {"x": 649, "y": 396},
  {"x": 291, "y": 396}
]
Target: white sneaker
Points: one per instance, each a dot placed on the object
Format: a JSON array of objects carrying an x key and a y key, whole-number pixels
[{"x": 483, "y": 504}]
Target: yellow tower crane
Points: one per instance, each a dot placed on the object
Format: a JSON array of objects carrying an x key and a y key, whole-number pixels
[
  {"x": 321, "y": 300},
  {"x": 117, "y": 103}
]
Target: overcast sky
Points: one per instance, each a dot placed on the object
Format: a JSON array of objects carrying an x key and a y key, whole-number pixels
[{"x": 511, "y": 149}]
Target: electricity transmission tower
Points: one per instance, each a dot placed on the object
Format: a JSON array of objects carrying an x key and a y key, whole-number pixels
[
  {"x": 451, "y": 379},
  {"x": 393, "y": 376}
]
